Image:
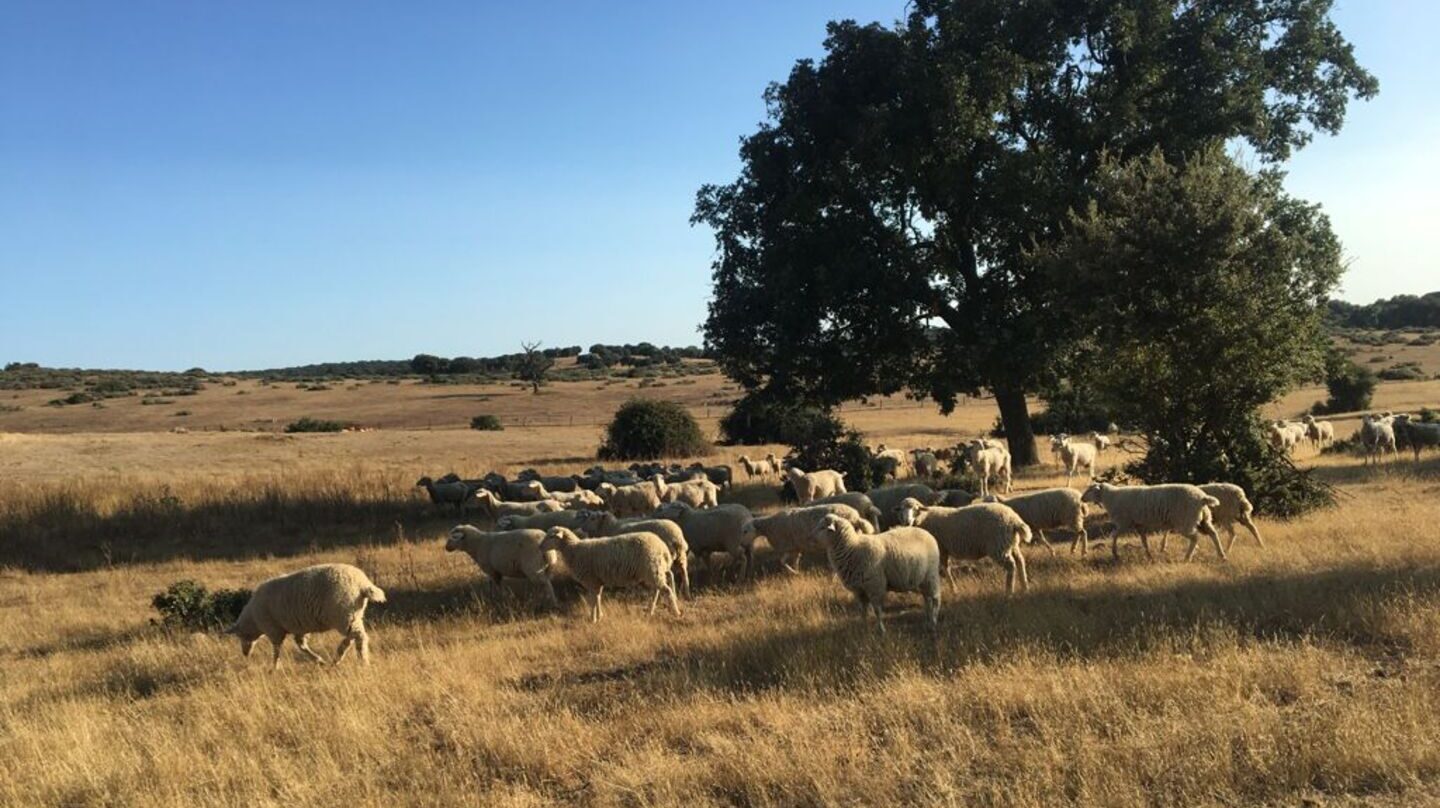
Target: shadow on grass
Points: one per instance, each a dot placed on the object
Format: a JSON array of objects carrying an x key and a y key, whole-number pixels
[{"x": 1359, "y": 472}]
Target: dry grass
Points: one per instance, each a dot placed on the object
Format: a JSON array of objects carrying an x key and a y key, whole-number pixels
[{"x": 1308, "y": 670}]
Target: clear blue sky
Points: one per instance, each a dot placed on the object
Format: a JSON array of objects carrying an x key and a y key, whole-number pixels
[{"x": 242, "y": 185}]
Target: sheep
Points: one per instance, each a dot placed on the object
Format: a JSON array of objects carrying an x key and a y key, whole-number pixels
[
  {"x": 904, "y": 559},
  {"x": 1286, "y": 435},
  {"x": 722, "y": 476},
  {"x": 757, "y": 468},
  {"x": 954, "y": 497},
  {"x": 886, "y": 467},
  {"x": 789, "y": 532},
  {"x": 926, "y": 463},
  {"x": 595, "y": 475},
  {"x": 628, "y": 559},
  {"x": 579, "y": 500},
  {"x": 600, "y": 523},
  {"x": 325, "y": 597},
  {"x": 551, "y": 483},
  {"x": 496, "y": 509},
  {"x": 989, "y": 461},
  {"x": 1321, "y": 433},
  {"x": 506, "y": 554},
  {"x": 517, "y": 491},
  {"x": 630, "y": 500},
  {"x": 1418, "y": 434},
  {"x": 446, "y": 492},
  {"x": 713, "y": 530},
  {"x": 1101, "y": 442},
  {"x": 699, "y": 493},
  {"x": 1051, "y": 509},
  {"x": 888, "y": 498},
  {"x": 1234, "y": 507},
  {"x": 1180, "y": 507},
  {"x": 1073, "y": 456},
  {"x": 1378, "y": 436},
  {"x": 984, "y": 530},
  {"x": 541, "y": 521},
  {"x": 859, "y": 502},
  {"x": 892, "y": 461},
  {"x": 816, "y": 484}
]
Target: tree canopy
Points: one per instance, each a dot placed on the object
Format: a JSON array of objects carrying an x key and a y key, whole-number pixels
[{"x": 879, "y": 237}]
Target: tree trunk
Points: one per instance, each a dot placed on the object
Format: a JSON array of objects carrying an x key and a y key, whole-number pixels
[{"x": 1016, "y": 418}]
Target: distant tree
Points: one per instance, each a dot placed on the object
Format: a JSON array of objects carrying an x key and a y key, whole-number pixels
[
  {"x": 877, "y": 238},
  {"x": 463, "y": 364},
  {"x": 1351, "y": 386},
  {"x": 532, "y": 366},
  {"x": 426, "y": 364},
  {"x": 1207, "y": 287}
]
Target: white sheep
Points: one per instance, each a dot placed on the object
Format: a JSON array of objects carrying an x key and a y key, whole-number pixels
[
  {"x": 816, "y": 484},
  {"x": 887, "y": 499},
  {"x": 505, "y": 554},
  {"x": 926, "y": 463},
  {"x": 989, "y": 462},
  {"x": 1321, "y": 433},
  {"x": 541, "y": 521},
  {"x": 858, "y": 501},
  {"x": 630, "y": 500},
  {"x": 1378, "y": 436},
  {"x": 628, "y": 559},
  {"x": 580, "y": 500},
  {"x": 983, "y": 530},
  {"x": 325, "y": 597},
  {"x": 904, "y": 559},
  {"x": 713, "y": 530},
  {"x": 1074, "y": 455},
  {"x": 757, "y": 468},
  {"x": 890, "y": 461},
  {"x": 600, "y": 523},
  {"x": 1180, "y": 507},
  {"x": 1234, "y": 508},
  {"x": 495, "y": 509},
  {"x": 1102, "y": 442},
  {"x": 697, "y": 493},
  {"x": 790, "y": 532},
  {"x": 1418, "y": 434},
  {"x": 1051, "y": 509}
]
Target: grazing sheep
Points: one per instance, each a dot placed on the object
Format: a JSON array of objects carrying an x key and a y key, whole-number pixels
[
  {"x": 984, "y": 530},
  {"x": 926, "y": 463},
  {"x": 954, "y": 498},
  {"x": 816, "y": 484},
  {"x": 757, "y": 468},
  {"x": 699, "y": 493},
  {"x": 1051, "y": 509},
  {"x": 325, "y": 597},
  {"x": 721, "y": 476},
  {"x": 1287, "y": 435},
  {"x": 790, "y": 532},
  {"x": 1234, "y": 508},
  {"x": 1378, "y": 437},
  {"x": 713, "y": 530},
  {"x": 629, "y": 559},
  {"x": 859, "y": 502},
  {"x": 525, "y": 491},
  {"x": 904, "y": 559},
  {"x": 1180, "y": 507},
  {"x": 541, "y": 521},
  {"x": 1074, "y": 455},
  {"x": 630, "y": 500},
  {"x": 989, "y": 462},
  {"x": 1101, "y": 442},
  {"x": 887, "y": 499},
  {"x": 1321, "y": 433},
  {"x": 595, "y": 475},
  {"x": 495, "y": 509},
  {"x": 885, "y": 468},
  {"x": 505, "y": 554},
  {"x": 600, "y": 523},
  {"x": 551, "y": 483},
  {"x": 1417, "y": 434},
  {"x": 579, "y": 500},
  {"x": 446, "y": 492}
]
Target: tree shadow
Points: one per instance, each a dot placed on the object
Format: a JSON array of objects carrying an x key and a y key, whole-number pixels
[{"x": 1403, "y": 467}]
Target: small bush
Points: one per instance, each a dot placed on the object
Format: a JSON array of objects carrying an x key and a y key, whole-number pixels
[
  {"x": 1070, "y": 410},
  {"x": 759, "y": 418},
  {"x": 486, "y": 423},
  {"x": 1403, "y": 372},
  {"x": 150, "y": 401},
  {"x": 308, "y": 424},
  {"x": 180, "y": 413},
  {"x": 1351, "y": 386},
  {"x": 189, "y": 605},
  {"x": 643, "y": 430}
]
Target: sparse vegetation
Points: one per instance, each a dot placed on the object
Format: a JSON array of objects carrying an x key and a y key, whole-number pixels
[
  {"x": 486, "y": 423},
  {"x": 189, "y": 605},
  {"x": 308, "y": 424}
]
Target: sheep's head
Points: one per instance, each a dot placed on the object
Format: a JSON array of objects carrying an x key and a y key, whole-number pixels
[
  {"x": 831, "y": 530},
  {"x": 458, "y": 534},
  {"x": 505, "y": 523},
  {"x": 673, "y": 510},
  {"x": 424, "y": 482},
  {"x": 557, "y": 537},
  {"x": 1092, "y": 494},
  {"x": 909, "y": 511},
  {"x": 795, "y": 472}
]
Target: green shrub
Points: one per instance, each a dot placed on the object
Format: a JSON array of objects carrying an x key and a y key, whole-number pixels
[
  {"x": 308, "y": 424},
  {"x": 644, "y": 430},
  {"x": 1403, "y": 372},
  {"x": 760, "y": 418},
  {"x": 486, "y": 423},
  {"x": 189, "y": 605},
  {"x": 1351, "y": 386},
  {"x": 842, "y": 451},
  {"x": 1068, "y": 409}
]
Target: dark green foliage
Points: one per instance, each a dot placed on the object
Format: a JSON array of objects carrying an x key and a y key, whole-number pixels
[
  {"x": 1207, "y": 286},
  {"x": 486, "y": 423},
  {"x": 1351, "y": 386},
  {"x": 841, "y": 451},
  {"x": 1403, "y": 372},
  {"x": 1073, "y": 410},
  {"x": 189, "y": 605},
  {"x": 1401, "y": 311},
  {"x": 645, "y": 429},
  {"x": 308, "y": 424},
  {"x": 761, "y": 418}
]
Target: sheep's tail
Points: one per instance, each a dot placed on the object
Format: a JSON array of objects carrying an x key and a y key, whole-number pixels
[
  {"x": 1023, "y": 531},
  {"x": 375, "y": 594},
  {"x": 1212, "y": 502}
]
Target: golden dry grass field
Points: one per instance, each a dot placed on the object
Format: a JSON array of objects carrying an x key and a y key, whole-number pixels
[{"x": 1305, "y": 671}]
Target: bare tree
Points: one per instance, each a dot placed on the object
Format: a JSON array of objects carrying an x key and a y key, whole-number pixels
[{"x": 533, "y": 366}]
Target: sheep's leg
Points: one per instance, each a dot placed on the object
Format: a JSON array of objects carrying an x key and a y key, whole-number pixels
[
  {"x": 343, "y": 648},
  {"x": 1083, "y": 539},
  {"x": 362, "y": 644},
  {"x": 655, "y": 601},
  {"x": 1145, "y": 542},
  {"x": 674, "y": 601},
  {"x": 276, "y": 641},
  {"x": 684, "y": 577},
  {"x": 302, "y": 642},
  {"x": 1209, "y": 530},
  {"x": 1008, "y": 562},
  {"x": 1040, "y": 534},
  {"x": 1164, "y": 542},
  {"x": 1020, "y": 566},
  {"x": 1250, "y": 525},
  {"x": 1115, "y": 542},
  {"x": 599, "y": 608},
  {"x": 785, "y": 563},
  {"x": 1229, "y": 536}
]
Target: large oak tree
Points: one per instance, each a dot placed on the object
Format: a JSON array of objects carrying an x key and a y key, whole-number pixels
[{"x": 881, "y": 234}]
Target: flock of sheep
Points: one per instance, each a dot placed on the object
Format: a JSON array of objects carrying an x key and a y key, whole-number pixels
[{"x": 639, "y": 528}]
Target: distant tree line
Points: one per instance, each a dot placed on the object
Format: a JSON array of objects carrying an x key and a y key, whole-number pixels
[
  {"x": 598, "y": 357},
  {"x": 1400, "y": 311}
]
